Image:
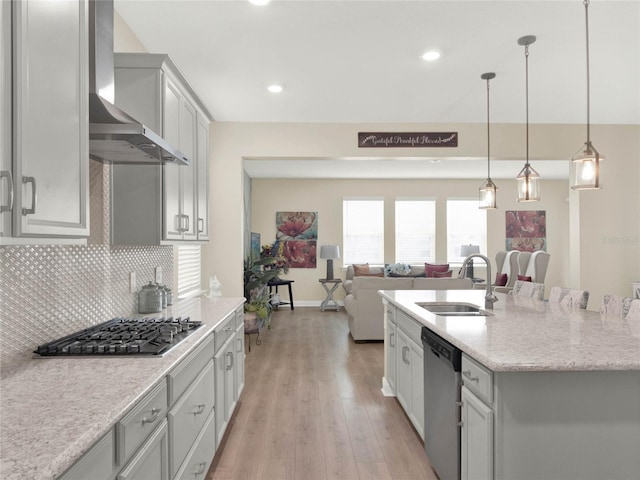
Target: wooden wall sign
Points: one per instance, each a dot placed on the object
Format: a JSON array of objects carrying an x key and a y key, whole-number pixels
[{"x": 407, "y": 139}]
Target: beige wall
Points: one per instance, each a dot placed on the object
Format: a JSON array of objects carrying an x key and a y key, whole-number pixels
[
  {"x": 608, "y": 220},
  {"x": 325, "y": 196}
]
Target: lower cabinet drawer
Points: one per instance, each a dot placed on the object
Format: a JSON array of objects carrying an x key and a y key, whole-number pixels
[
  {"x": 224, "y": 330},
  {"x": 189, "y": 415},
  {"x": 150, "y": 462},
  {"x": 138, "y": 424},
  {"x": 179, "y": 379},
  {"x": 478, "y": 379},
  {"x": 98, "y": 463},
  {"x": 199, "y": 459}
]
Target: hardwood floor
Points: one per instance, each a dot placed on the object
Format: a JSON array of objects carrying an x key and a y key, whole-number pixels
[{"x": 312, "y": 409}]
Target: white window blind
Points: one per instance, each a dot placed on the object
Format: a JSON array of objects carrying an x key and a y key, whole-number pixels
[
  {"x": 466, "y": 225},
  {"x": 189, "y": 270},
  {"x": 363, "y": 231},
  {"x": 415, "y": 231}
]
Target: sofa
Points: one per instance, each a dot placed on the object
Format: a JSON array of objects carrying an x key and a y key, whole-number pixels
[{"x": 364, "y": 306}]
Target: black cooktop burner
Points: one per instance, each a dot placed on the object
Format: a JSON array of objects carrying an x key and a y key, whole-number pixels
[{"x": 123, "y": 336}]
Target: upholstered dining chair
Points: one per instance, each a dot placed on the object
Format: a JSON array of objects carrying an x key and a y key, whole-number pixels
[
  {"x": 569, "y": 297},
  {"x": 528, "y": 289},
  {"x": 622, "y": 307}
]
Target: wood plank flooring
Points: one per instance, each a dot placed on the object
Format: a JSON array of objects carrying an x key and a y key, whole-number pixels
[{"x": 312, "y": 409}]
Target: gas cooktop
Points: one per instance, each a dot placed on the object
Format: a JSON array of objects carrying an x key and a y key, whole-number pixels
[{"x": 123, "y": 336}]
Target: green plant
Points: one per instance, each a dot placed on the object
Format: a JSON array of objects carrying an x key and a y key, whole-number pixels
[{"x": 256, "y": 290}]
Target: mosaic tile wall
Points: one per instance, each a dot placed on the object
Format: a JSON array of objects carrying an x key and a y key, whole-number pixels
[{"x": 48, "y": 291}]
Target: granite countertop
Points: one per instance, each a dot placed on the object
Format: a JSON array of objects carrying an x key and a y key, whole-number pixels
[
  {"x": 528, "y": 335},
  {"x": 54, "y": 409}
]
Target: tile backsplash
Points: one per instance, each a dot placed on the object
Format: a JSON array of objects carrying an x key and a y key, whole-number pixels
[{"x": 48, "y": 291}]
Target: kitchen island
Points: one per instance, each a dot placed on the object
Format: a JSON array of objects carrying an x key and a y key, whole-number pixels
[
  {"x": 53, "y": 410},
  {"x": 561, "y": 396}
]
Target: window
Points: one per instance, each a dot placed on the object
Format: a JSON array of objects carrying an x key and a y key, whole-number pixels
[
  {"x": 466, "y": 224},
  {"x": 189, "y": 270},
  {"x": 363, "y": 230},
  {"x": 415, "y": 231}
]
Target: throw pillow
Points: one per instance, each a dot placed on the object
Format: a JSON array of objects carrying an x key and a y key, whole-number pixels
[
  {"x": 360, "y": 269},
  {"x": 523, "y": 278},
  {"x": 501, "y": 279},
  {"x": 429, "y": 268},
  {"x": 442, "y": 274}
]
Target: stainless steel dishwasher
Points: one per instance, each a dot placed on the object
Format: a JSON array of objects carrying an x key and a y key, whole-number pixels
[{"x": 442, "y": 404}]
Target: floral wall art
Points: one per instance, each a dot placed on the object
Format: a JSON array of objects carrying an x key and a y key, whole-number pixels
[
  {"x": 298, "y": 231},
  {"x": 526, "y": 230}
]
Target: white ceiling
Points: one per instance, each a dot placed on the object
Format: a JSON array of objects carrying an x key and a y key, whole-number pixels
[{"x": 359, "y": 61}]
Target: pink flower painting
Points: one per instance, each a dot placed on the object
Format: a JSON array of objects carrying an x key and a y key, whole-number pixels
[
  {"x": 526, "y": 230},
  {"x": 298, "y": 232}
]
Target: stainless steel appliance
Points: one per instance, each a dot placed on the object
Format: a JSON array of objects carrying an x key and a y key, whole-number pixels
[
  {"x": 442, "y": 404},
  {"x": 123, "y": 336},
  {"x": 115, "y": 136}
]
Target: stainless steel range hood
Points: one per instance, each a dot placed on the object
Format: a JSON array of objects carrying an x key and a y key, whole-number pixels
[{"x": 115, "y": 136}]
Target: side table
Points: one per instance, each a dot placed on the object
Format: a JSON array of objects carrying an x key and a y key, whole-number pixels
[
  {"x": 278, "y": 283},
  {"x": 325, "y": 284}
]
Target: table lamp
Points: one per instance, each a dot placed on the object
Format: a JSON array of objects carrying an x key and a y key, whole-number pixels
[
  {"x": 330, "y": 252},
  {"x": 465, "y": 251}
]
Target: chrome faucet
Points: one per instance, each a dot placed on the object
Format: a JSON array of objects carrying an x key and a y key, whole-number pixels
[{"x": 489, "y": 298}]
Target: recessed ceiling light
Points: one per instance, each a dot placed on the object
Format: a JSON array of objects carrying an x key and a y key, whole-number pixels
[
  {"x": 259, "y": 2},
  {"x": 275, "y": 88},
  {"x": 431, "y": 55}
]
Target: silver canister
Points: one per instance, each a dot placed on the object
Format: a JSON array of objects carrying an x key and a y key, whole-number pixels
[
  {"x": 169, "y": 293},
  {"x": 149, "y": 299},
  {"x": 163, "y": 293}
]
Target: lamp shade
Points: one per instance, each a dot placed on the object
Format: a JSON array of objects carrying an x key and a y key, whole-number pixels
[
  {"x": 330, "y": 251},
  {"x": 467, "y": 250}
]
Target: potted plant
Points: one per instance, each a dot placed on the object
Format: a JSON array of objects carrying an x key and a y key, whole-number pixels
[{"x": 256, "y": 277}]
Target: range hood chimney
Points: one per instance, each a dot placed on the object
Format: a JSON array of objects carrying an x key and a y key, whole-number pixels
[{"x": 114, "y": 136}]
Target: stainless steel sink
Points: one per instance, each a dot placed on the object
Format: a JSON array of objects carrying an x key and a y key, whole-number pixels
[{"x": 454, "y": 309}]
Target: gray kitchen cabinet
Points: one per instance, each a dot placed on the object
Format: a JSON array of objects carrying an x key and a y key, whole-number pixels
[
  {"x": 476, "y": 438},
  {"x": 151, "y": 462},
  {"x": 225, "y": 390},
  {"x": 202, "y": 175},
  {"x": 410, "y": 370},
  {"x": 49, "y": 171},
  {"x": 228, "y": 370},
  {"x": 6, "y": 169},
  {"x": 199, "y": 458},
  {"x": 239, "y": 357},
  {"x": 98, "y": 463},
  {"x": 390, "y": 349},
  {"x": 476, "y": 449},
  {"x": 155, "y": 204}
]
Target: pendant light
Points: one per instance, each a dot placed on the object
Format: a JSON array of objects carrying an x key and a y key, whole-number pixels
[
  {"x": 585, "y": 163},
  {"x": 488, "y": 190},
  {"x": 528, "y": 178}
]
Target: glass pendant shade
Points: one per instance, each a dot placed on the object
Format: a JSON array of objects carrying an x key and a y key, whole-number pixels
[
  {"x": 487, "y": 195},
  {"x": 528, "y": 185},
  {"x": 585, "y": 168},
  {"x": 585, "y": 163}
]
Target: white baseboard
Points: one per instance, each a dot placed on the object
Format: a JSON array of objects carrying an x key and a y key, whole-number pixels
[{"x": 387, "y": 391}]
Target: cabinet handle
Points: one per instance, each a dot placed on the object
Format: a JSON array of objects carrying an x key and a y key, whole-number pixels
[
  {"x": 200, "y": 225},
  {"x": 391, "y": 337},
  {"x": 201, "y": 467},
  {"x": 7, "y": 174},
  {"x": 467, "y": 374},
  {"x": 155, "y": 414},
  {"x": 239, "y": 346},
  {"x": 199, "y": 409},
  {"x": 186, "y": 229},
  {"x": 230, "y": 356},
  {"x": 32, "y": 181},
  {"x": 408, "y": 356}
]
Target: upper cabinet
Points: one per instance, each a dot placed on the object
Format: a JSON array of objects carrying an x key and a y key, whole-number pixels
[
  {"x": 44, "y": 183},
  {"x": 154, "y": 204}
]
